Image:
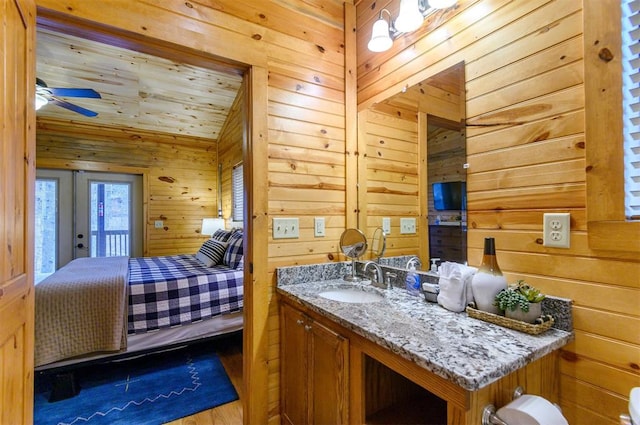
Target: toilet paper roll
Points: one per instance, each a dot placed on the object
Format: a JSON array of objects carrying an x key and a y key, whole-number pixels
[{"x": 531, "y": 410}]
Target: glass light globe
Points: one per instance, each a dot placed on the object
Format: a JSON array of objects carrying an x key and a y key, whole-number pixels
[
  {"x": 380, "y": 40},
  {"x": 410, "y": 17}
]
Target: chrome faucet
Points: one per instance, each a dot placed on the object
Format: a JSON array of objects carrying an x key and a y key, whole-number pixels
[
  {"x": 378, "y": 277},
  {"x": 415, "y": 261}
]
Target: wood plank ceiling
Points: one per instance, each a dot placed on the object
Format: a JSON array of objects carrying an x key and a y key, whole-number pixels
[{"x": 138, "y": 91}]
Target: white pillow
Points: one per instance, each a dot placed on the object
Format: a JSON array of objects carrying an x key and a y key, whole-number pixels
[{"x": 211, "y": 252}]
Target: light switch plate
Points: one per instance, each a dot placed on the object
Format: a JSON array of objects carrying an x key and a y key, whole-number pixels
[
  {"x": 407, "y": 225},
  {"x": 386, "y": 225},
  {"x": 285, "y": 228},
  {"x": 318, "y": 226},
  {"x": 158, "y": 224}
]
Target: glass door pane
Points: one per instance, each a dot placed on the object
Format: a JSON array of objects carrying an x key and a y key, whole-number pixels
[
  {"x": 46, "y": 228},
  {"x": 110, "y": 219}
]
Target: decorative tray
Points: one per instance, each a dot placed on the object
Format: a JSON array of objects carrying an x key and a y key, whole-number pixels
[{"x": 542, "y": 324}]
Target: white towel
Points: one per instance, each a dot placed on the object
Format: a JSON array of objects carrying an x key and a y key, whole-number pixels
[{"x": 455, "y": 286}]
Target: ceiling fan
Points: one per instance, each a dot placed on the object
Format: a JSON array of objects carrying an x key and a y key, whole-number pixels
[{"x": 45, "y": 94}]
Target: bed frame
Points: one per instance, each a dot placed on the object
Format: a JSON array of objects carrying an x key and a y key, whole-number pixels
[{"x": 62, "y": 374}]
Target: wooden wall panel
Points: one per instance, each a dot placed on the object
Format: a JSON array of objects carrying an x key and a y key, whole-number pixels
[
  {"x": 181, "y": 174},
  {"x": 306, "y": 161},
  {"x": 526, "y": 149}
]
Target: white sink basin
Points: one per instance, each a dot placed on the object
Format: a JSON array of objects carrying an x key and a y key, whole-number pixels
[{"x": 354, "y": 296}]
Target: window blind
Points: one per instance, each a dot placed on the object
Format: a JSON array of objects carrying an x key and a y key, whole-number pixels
[
  {"x": 237, "y": 183},
  {"x": 631, "y": 105}
]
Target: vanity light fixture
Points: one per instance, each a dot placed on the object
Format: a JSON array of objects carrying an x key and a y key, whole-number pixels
[{"x": 410, "y": 18}]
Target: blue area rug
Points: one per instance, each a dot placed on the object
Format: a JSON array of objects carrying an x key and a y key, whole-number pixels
[{"x": 153, "y": 389}]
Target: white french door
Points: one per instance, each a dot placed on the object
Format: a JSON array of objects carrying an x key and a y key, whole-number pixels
[
  {"x": 85, "y": 214},
  {"x": 108, "y": 214}
]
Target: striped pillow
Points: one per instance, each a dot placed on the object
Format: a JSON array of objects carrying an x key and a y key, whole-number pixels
[
  {"x": 211, "y": 252},
  {"x": 221, "y": 235}
]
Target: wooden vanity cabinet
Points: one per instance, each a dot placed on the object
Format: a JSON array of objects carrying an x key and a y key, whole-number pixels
[
  {"x": 314, "y": 370},
  {"x": 331, "y": 375}
]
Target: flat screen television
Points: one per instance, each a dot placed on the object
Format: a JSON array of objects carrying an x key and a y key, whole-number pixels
[{"x": 450, "y": 196}]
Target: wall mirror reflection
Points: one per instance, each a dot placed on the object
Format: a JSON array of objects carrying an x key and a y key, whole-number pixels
[
  {"x": 446, "y": 186},
  {"x": 416, "y": 155}
]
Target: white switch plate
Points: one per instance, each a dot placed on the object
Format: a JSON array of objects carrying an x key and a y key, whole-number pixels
[
  {"x": 285, "y": 228},
  {"x": 158, "y": 224},
  {"x": 318, "y": 226},
  {"x": 386, "y": 225},
  {"x": 556, "y": 230},
  {"x": 407, "y": 225}
]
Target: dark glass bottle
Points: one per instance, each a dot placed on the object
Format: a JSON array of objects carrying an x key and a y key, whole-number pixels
[{"x": 489, "y": 261}]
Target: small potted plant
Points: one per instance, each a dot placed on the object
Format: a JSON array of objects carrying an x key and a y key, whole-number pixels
[{"x": 520, "y": 301}]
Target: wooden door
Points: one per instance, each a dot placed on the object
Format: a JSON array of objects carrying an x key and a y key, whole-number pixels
[
  {"x": 328, "y": 376},
  {"x": 293, "y": 366},
  {"x": 17, "y": 179}
]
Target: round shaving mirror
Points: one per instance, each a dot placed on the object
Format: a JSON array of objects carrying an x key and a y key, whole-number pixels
[{"x": 353, "y": 244}]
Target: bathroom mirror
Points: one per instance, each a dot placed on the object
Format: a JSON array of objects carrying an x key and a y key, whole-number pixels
[
  {"x": 431, "y": 115},
  {"x": 353, "y": 244},
  {"x": 378, "y": 244}
]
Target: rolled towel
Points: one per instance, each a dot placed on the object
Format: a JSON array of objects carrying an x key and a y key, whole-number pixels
[
  {"x": 467, "y": 275},
  {"x": 455, "y": 286}
]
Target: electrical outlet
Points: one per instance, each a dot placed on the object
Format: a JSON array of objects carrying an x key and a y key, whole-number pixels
[
  {"x": 285, "y": 228},
  {"x": 407, "y": 225},
  {"x": 556, "y": 230},
  {"x": 386, "y": 225},
  {"x": 318, "y": 226}
]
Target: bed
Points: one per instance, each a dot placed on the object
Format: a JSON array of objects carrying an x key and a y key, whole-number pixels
[{"x": 96, "y": 308}]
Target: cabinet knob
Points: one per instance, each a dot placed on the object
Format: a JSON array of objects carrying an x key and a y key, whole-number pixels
[
  {"x": 307, "y": 328},
  {"x": 300, "y": 321}
]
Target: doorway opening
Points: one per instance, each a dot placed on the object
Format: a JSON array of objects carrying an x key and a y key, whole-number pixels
[{"x": 256, "y": 80}]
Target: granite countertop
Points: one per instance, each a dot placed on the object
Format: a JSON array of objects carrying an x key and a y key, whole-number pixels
[{"x": 467, "y": 351}]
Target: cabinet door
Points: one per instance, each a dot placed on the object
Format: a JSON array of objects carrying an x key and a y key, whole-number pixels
[
  {"x": 293, "y": 366},
  {"x": 329, "y": 368}
]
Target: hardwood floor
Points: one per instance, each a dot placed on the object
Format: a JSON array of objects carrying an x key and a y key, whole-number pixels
[{"x": 230, "y": 353}]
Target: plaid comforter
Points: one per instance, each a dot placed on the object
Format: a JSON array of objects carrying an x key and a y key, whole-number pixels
[{"x": 178, "y": 289}]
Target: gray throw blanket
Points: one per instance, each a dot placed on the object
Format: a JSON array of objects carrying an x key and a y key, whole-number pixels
[{"x": 82, "y": 309}]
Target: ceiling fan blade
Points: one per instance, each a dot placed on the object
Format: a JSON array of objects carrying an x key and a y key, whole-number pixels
[
  {"x": 72, "y": 107},
  {"x": 73, "y": 92}
]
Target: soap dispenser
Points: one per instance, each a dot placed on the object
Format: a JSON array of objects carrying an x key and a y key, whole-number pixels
[
  {"x": 434, "y": 266},
  {"x": 412, "y": 281}
]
